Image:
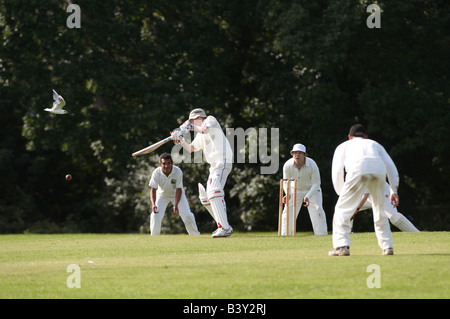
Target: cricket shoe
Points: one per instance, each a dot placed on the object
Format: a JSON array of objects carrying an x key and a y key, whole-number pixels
[
  {"x": 222, "y": 232},
  {"x": 340, "y": 251},
  {"x": 388, "y": 251},
  {"x": 218, "y": 228}
]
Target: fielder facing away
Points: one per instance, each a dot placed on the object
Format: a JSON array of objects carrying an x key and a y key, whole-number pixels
[
  {"x": 306, "y": 172},
  {"x": 166, "y": 186},
  {"x": 367, "y": 163},
  {"x": 212, "y": 141}
]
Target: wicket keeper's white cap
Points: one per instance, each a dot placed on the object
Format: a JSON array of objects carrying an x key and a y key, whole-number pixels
[
  {"x": 299, "y": 147},
  {"x": 197, "y": 113}
]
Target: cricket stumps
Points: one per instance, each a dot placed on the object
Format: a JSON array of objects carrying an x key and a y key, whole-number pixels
[{"x": 280, "y": 206}]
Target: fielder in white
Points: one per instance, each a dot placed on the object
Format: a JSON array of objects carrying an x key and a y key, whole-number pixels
[
  {"x": 166, "y": 186},
  {"x": 212, "y": 141},
  {"x": 367, "y": 163},
  {"x": 309, "y": 193},
  {"x": 396, "y": 218}
]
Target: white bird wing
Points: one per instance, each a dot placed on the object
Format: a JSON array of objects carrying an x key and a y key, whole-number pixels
[
  {"x": 59, "y": 101},
  {"x": 55, "y": 95},
  {"x": 59, "y": 104}
]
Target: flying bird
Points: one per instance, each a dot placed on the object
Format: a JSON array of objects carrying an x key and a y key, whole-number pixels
[{"x": 57, "y": 105}]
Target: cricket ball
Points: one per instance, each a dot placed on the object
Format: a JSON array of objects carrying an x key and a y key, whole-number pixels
[{"x": 68, "y": 177}]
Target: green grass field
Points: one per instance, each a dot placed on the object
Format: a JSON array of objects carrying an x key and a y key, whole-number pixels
[{"x": 245, "y": 265}]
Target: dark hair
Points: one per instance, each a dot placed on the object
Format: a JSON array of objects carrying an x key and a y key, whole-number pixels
[
  {"x": 358, "y": 130},
  {"x": 165, "y": 156}
]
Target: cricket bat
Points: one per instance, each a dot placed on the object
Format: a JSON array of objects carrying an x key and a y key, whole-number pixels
[{"x": 152, "y": 147}]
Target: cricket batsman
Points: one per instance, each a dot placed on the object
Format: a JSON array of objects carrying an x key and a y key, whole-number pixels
[{"x": 212, "y": 141}]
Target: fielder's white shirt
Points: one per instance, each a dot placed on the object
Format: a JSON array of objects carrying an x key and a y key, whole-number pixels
[
  {"x": 213, "y": 143},
  {"x": 308, "y": 176},
  {"x": 360, "y": 156},
  {"x": 167, "y": 185}
]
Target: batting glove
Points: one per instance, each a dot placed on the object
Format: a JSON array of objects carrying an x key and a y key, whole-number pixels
[
  {"x": 176, "y": 136},
  {"x": 186, "y": 127}
]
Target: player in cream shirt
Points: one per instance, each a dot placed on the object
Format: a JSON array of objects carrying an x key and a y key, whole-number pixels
[
  {"x": 166, "y": 186},
  {"x": 309, "y": 193},
  {"x": 366, "y": 163},
  {"x": 212, "y": 141}
]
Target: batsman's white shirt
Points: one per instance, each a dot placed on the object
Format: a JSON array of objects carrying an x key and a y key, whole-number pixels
[
  {"x": 213, "y": 143},
  {"x": 167, "y": 185}
]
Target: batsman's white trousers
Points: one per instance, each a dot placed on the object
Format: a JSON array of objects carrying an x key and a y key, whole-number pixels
[
  {"x": 184, "y": 210},
  {"x": 218, "y": 174},
  {"x": 315, "y": 210},
  {"x": 352, "y": 191}
]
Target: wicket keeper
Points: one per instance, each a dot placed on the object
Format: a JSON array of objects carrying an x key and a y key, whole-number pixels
[{"x": 306, "y": 172}]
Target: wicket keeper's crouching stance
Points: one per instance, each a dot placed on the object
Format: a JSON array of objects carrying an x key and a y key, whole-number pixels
[
  {"x": 306, "y": 172},
  {"x": 217, "y": 151},
  {"x": 166, "y": 185},
  {"x": 367, "y": 163}
]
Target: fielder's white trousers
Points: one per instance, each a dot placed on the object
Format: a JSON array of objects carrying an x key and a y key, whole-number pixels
[
  {"x": 185, "y": 214},
  {"x": 353, "y": 189},
  {"x": 315, "y": 210},
  {"x": 395, "y": 217},
  {"x": 389, "y": 210}
]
